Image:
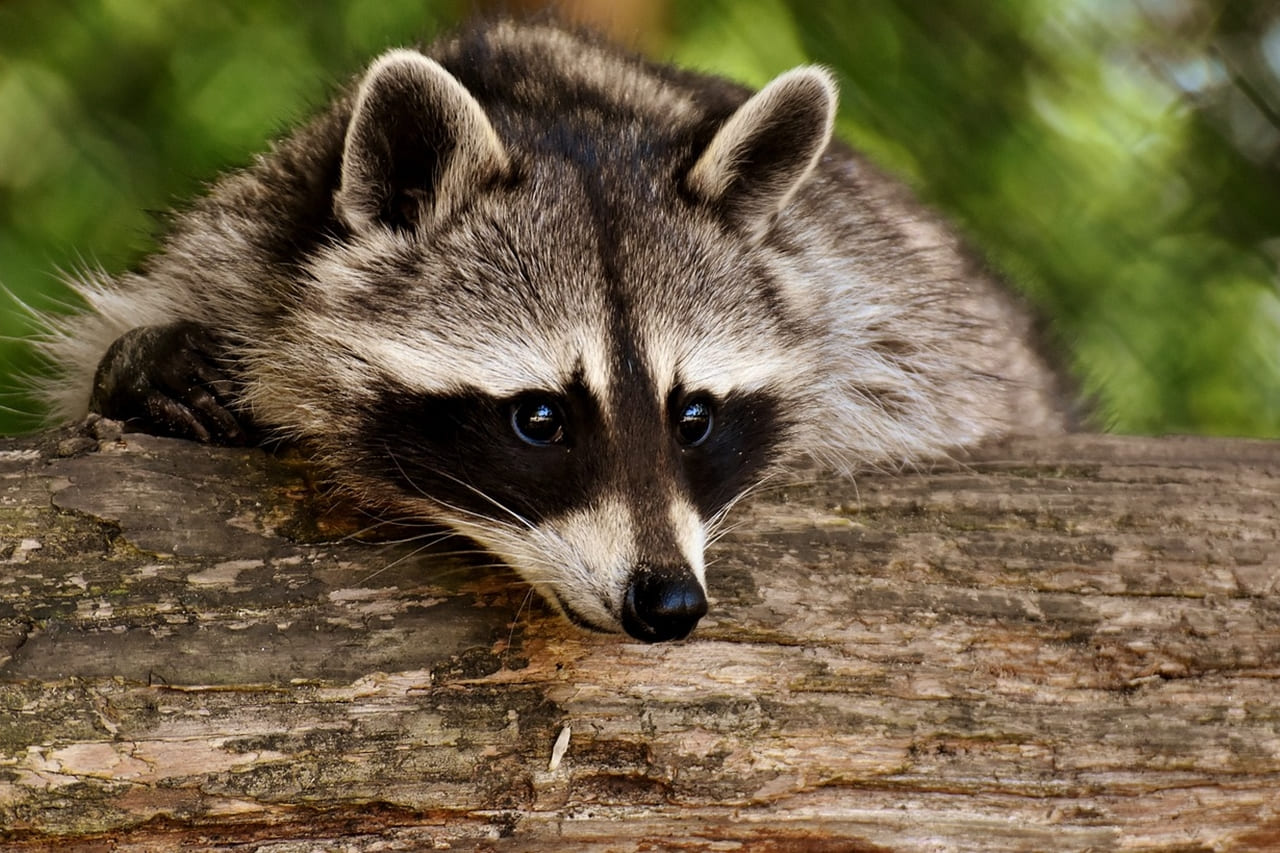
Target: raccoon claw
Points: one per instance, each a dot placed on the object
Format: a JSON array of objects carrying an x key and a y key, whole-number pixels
[
  {"x": 167, "y": 416},
  {"x": 163, "y": 380}
]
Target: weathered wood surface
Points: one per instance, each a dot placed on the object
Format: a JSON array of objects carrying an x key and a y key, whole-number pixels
[{"x": 1068, "y": 644}]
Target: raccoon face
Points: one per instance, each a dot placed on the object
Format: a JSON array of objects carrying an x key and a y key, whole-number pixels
[
  {"x": 602, "y": 506},
  {"x": 588, "y": 428},
  {"x": 564, "y": 352}
]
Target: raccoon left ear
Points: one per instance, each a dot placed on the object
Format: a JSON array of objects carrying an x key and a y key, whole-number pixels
[
  {"x": 418, "y": 143},
  {"x": 760, "y": 156}
]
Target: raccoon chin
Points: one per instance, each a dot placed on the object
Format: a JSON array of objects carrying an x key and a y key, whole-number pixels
[{"x": 574, "y": 616}]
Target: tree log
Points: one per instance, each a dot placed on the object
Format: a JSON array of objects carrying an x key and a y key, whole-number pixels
[{"x": 1068, "y": 643}]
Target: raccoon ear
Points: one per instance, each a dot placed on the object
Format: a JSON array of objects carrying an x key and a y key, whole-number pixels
[
  {"x": 417, "y": 145},
  {"x": 766, "y": 149}
]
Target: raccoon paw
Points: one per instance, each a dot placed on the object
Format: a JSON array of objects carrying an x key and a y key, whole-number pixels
[{"x": 164, "y": 380}]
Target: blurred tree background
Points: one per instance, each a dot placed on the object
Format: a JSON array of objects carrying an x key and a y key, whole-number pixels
[{"x": 1116, "y": 160}]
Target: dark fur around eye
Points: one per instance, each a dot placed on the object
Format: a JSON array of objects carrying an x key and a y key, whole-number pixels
[{"x": 725, "y": 443}]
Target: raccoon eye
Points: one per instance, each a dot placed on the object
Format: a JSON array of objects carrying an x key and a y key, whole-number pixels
[
  {"x": 694, "y": 422},
  {"x": 537, "y": 421}
]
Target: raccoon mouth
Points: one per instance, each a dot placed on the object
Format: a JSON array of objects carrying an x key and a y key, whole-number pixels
[{"x": 577, "y": 618}]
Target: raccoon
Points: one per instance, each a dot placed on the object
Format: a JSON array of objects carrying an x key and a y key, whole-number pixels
[{"x": 567, "y": 302}]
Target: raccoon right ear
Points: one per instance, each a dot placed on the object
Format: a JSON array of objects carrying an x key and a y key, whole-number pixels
[
  {"x": 766, "y": 149},
  {"x": 418, "y": 143}
]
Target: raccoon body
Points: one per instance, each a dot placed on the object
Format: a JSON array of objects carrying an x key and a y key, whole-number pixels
[{"x": 567, "y": 302}]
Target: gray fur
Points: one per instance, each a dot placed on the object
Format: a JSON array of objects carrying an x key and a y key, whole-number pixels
[{"x": 587, "y": 215}]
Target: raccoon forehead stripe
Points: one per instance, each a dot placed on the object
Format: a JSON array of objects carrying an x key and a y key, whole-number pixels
[
  {"x": 399, "y": 318},
  {"x": 500, "y": 364},
  {"x": 720, "y": 366}
]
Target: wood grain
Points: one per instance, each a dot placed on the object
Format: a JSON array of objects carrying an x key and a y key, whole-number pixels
[{"x": 1068, "y": 643}]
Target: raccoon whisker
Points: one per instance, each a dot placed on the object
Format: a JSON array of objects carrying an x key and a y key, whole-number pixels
[
  {"x": 471, "y": 569},
  {"x": 721, "y": 532},
  {"x": 354, "y": 538},
  {"x": 435, "y": 575},
  {"x": 529, "y": 525},
  {"x": 426, "y": 542},
  {"x": 401, "y": 518},
  {"x": 442, "y": 531},
  {"x": 784, "y": 480},
  {"x": 442, "y": 503},
  {"x": 516, "y": 540},
  {"x": 403, "y": 473},
  {"x": 515, "y": 620},
  {"x": 716, "y": 528},
  {"x": 857, "y": 493},
  {"x": 464, "y": 515},
  {"x": 724, "y": 530},
  {"x": 452, "y": 553},
  {"x": 377, "y": 514},
  {"x": 499, "y": 529},
  {"x": 414, "y": 553},
  {"x": 428, "y": 527},
  {"x": 351, "y": 539},
  {"x": 529, "y": 564},
  {"x": 459, "y": 519},
  {"x": 526, "y": 523},
  {"x": 718, "y": 518},
  {"x": 468, "y": 553}
]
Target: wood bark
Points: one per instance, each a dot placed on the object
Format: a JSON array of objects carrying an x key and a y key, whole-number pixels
[{"x": 1068, "y": 643}]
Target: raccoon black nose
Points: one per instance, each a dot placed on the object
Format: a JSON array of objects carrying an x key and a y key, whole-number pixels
[{"x": 662, "y": 603}]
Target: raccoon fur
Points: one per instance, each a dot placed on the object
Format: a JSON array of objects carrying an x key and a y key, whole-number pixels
[{"x": 569, "y": 303}]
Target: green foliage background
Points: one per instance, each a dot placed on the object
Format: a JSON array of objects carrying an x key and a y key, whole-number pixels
[{"x": 1115, "y": 159}]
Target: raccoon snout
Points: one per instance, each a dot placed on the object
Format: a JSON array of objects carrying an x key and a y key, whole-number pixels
[{"x": 662, "y": 603}]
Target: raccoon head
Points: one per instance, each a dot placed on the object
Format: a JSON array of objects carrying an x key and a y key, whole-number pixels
[{"x": 551, "y": 333}]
